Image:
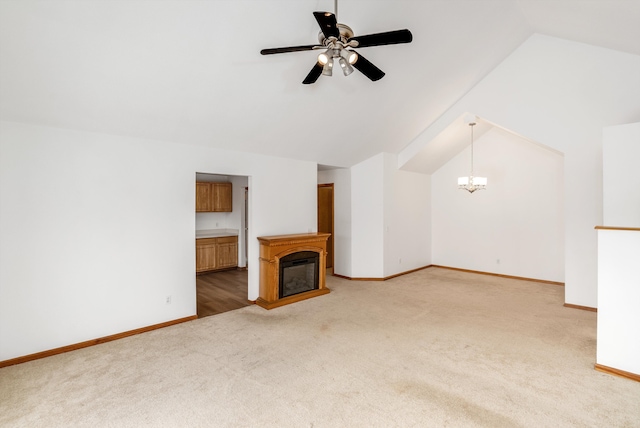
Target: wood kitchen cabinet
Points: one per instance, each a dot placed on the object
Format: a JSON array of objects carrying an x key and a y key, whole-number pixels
[
  {"x": 216, "y": 253},
  {"x": 227, "y": 252},
  {"x": 213, "y": 197},
  {"x": 221, "y": 195},
  {"x": 206, "y": 254},
  {"x": 203, "y": 197}
]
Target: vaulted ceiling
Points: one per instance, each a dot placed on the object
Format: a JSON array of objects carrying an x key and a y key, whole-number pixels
[{"x": 190, "y": 71}]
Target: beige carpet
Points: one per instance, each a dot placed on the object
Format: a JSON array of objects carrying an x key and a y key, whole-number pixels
[{"x": 433, "y": 348}]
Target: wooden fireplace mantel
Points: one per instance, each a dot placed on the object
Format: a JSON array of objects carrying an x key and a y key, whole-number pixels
[{"x": 272, "y": 249}]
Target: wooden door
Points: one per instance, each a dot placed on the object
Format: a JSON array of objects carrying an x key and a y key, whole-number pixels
[{"x": 325, "y": 217}]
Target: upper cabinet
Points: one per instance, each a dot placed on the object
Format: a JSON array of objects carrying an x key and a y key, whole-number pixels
[
  {"x": 203, "y": 197},
  {"x": 221, "y": 193},
  {"x": 213, "y": 197}
]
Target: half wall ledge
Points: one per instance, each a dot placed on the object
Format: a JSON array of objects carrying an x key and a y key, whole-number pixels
[{"x": 618, "y": 329}]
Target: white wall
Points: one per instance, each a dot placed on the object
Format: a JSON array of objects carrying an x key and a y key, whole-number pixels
[
  {"x": 621, "y": 180},
  {"x": 206, "y": 221},
  {"x": 515, "y": 226},
  {"x": 341, "y": 179},
  {"x": 618, "y": 346},
  {"x": 97, "y": 230},
  {"x": 390, "y": 218},
  {"x": 618, "y": 250},
  {"x": 560, "y": 94},
  {"x": 407, "y": 219},
  {"x": 367, "y": 218}
]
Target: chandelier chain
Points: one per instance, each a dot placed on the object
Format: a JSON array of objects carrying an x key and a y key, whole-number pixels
[{"x": 472, "y": 125}]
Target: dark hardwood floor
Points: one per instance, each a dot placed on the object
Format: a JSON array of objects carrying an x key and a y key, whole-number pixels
[{"x": 219, "y": 292}]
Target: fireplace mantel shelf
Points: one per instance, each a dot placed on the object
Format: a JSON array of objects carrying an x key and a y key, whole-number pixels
[
  {"x": 297, "y": 238},
  {"x": 272, "y": 249}
]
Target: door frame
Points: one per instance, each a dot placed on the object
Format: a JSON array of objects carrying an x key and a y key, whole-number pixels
[{"x": 330, "y": 248}]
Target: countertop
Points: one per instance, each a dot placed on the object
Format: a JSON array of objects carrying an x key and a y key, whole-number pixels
[{"x": 215, "y": 233}]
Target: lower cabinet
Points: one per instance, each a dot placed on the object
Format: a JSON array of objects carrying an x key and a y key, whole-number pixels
[
  {"x": 216, "y": 253},
  {"x": 227, "y": 250},
  {"x": 206, "y": 254}
]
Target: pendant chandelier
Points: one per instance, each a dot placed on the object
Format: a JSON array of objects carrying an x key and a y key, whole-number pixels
[{"x": 471, "y": 183}]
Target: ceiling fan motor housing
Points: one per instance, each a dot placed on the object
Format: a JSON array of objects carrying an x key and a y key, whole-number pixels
[{"x": 345, "y": 34}]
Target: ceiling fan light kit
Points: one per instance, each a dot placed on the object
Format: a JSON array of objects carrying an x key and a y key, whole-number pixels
[
  {"x": 338, "y": 40},
  {"x": 346, "y": 67},
  {"x": 327, "y": 70},
  {"x": 350, "y": 56}
]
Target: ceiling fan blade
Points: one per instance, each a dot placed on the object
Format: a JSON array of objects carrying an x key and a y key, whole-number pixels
[
  {"x": 271, "y": 51},
  {"x": 313, "y": 75},
  {"x": 368, "y": 69},
  {"x": 387, "y": 38},
  {"x": 328, "y": 24}
]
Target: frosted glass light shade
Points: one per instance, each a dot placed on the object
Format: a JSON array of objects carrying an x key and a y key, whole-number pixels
[
  {"x": 350, "y": 56},
  {"x": 328, "y": 67},
  {"x": 480, "y": 181},
  {"x": 324, "y": 57},
  {"x": 346, "y": 67}
]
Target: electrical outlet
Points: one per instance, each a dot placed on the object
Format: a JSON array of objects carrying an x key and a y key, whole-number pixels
[
  {"x": 498, "y": 261},
  {"x": 168, "y": 300}
]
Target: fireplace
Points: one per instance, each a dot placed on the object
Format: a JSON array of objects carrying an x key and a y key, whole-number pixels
[
  {"x": 292, "y": 268},
  {"x": 298, "y": 273}
]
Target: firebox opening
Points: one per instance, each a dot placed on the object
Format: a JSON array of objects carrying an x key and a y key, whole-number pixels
[{"x": 299, "y": 273}]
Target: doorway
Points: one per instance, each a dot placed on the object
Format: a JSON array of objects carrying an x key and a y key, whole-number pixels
[
  {"x": 221, "y": 245},
  {"x": 325, "y": 218}
]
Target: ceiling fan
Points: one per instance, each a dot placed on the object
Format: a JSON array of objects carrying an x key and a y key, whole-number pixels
[{"x": 337, "y": 41}]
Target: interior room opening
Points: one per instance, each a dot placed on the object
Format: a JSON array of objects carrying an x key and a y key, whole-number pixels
[{"x": 221, "y": 225}]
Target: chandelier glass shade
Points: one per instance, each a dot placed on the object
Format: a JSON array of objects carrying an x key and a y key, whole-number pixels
[{"x": 472, "y": 183}]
